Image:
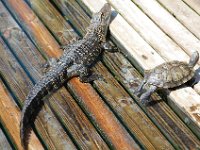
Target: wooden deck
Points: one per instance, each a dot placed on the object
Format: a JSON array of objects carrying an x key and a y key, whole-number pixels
[{"x": 104, "y": 114}]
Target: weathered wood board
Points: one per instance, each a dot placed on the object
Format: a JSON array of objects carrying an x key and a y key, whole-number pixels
[
  {"x": 10, "y": 118},
  {"x": 194, "y": 4},
  {"x": 4, "y": 144},
  {"x": 171, "y": 27},
  {"x": 184, "y": 14}
]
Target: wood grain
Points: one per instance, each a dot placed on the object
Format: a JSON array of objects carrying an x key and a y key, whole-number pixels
[
  {"x": 184, "y": 14},
  {"x": 4, "y": 144},
  {"x": 195, "y": 4},
  {"x": 10, "y": 115},
  {"x": 30, "y": 22},
  {"x": 172, "y": 27},
  {"x": 164, "y": 46}
]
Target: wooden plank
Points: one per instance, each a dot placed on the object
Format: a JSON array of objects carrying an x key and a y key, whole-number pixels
[
  {"x": 168, "y": 49},
  {"x": 10, "y": 114},
  {"x": 30, "y": 20},
  {"x": 184, "y": 14},
  {"x": 127, "y": 114},
  {"x": 195, "y": 4},
  {"x": 191, "y": 105},
  {"x": 155, "y": 37},
  {"x": 116, "y": 24},
  {"x": 68, "y": 111},
  {"x": 4, "y": 144},
  {"x": 173, "y": 28},
  {"x": 120, "y": 139},
  {"x": 91, "y": 107}
]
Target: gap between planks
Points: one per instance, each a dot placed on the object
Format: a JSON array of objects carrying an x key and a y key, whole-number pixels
[
  {"x": 4, "y": 143},
  {"x": 10, "y": 116},
  {"x": 189, "y": 18},
  {"x": 194, "y": 4}
]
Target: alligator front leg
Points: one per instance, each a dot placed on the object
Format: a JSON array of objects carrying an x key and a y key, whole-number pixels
[{"x": 86, "y": 75}]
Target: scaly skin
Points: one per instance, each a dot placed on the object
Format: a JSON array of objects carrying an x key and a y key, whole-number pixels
[{"x": 76, "y": 60}]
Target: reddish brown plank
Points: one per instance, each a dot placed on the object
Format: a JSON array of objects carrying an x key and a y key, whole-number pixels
[{"x": 10, "y": 118}]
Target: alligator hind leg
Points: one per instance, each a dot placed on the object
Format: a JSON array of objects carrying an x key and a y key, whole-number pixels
[
  {"x": 145, "y": 96},
  {"x": 86, "y": 75},
  {"x": 91, "y": 78}
]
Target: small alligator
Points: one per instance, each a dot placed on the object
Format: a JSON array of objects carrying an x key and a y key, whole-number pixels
[{"x": 76, "y": 60}]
